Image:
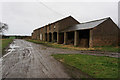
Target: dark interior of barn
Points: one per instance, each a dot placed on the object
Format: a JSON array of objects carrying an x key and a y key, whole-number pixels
[
  {"x": 55, "y": 37},
  {"x": 45, "y": 36},
  {"x": 84, "y": 38},
  {"x": 50, "y": 37},
  {"x": 61, "y": 38},
  {"x": 70, "y": 38}
]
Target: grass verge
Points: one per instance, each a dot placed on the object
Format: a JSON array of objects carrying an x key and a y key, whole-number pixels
[
  {"x": 95, "y": 66},
  {"x": 108, "y": 48},
  {"x": 55, "y": 45},
  {"x": 62, "y": 46},
  {"x": 5, "y": 44}
]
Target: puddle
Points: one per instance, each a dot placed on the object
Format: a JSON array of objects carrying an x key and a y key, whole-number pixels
[{"x": 11, "y": 48}]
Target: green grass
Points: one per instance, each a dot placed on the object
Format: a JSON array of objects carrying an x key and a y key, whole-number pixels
[
  {"x": 55, "y": 45},
  {"x": 95, "y": 66},
  {"x": 5, "y": 43},
  {"x": 108, "y": 48},
  {"x": 12, "y": 37}
]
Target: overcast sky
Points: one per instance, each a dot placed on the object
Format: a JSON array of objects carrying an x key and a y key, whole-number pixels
[{"x": 24, "y": 17}]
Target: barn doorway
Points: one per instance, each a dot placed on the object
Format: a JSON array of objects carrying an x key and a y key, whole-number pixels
[
  {"x": 61, "y": 37},
  {"x": 45, "y": 36},
  {"x": 84, "y": 38},
  {"x": 55, "y": 37},
  {"x": 50, "y": 37},
  {"x": 71, "y": 38}
]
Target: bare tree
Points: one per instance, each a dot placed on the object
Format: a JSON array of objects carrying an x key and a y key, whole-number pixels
[{"x": 3, "y": 28}]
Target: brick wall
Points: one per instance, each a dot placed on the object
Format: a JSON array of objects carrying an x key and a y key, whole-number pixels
[
  {"x": 105, "y": 34},
  {"x": 119, "y": 37},
  {"x": 38, "y": 34},
  {"x": 67, "y": 22},
  {"x": 54, "y": 27},
  {"x": 35, "y": 34}
]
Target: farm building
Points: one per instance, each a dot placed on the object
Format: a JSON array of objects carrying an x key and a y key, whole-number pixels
[
  {"x": 69, "y": 31},
  {"x": 52, "y": 32}
]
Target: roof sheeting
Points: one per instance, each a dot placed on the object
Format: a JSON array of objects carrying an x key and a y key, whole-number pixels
[{"x": 87, "y": 25}]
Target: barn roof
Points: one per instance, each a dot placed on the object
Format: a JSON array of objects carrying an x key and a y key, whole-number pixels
[{"x": 86, "y": 25}]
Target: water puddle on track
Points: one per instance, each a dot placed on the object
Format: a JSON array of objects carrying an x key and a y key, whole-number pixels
[{"x": 11, "y": 48}]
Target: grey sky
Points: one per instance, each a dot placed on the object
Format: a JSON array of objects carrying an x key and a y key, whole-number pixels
[{"x": 23, "y": 17}]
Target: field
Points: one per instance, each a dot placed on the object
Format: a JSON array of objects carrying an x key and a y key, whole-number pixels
[
  {"x": 95, "y": 66},
  {"x": 99, "y": 48}
]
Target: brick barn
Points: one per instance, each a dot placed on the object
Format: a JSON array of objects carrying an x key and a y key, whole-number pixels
[{"x": 69, "y": 31}]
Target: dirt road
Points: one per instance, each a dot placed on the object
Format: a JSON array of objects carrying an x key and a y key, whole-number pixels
[{"x": 28, "y": 60}]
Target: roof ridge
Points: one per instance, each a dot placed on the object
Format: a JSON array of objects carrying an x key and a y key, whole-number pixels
[
  {"x": 95, "y": 20},
  {"x": 87, "y": 25},
  {"x": 60, "y": 19}
]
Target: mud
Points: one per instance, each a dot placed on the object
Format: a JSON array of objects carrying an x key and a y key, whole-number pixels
[{"x": 28, "y": 60}]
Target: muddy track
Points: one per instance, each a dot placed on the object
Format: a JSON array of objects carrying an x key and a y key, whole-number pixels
[{"x": 28, "y": 60}]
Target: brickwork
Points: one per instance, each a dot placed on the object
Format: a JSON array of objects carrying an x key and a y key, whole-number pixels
[
  {"x": 119, "y": 37},
  {"x": 76, "y": 38},
  {"x": 67, "y": 22},
  {"x": 105, "y": 34}
]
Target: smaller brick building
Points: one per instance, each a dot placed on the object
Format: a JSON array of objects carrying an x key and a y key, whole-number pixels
[
  {"x": 69, "y": 31},
  {"x": 95, "y": 33}
]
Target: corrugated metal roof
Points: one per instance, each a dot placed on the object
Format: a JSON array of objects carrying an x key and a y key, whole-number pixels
[{"x": 87, "y": 25}]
